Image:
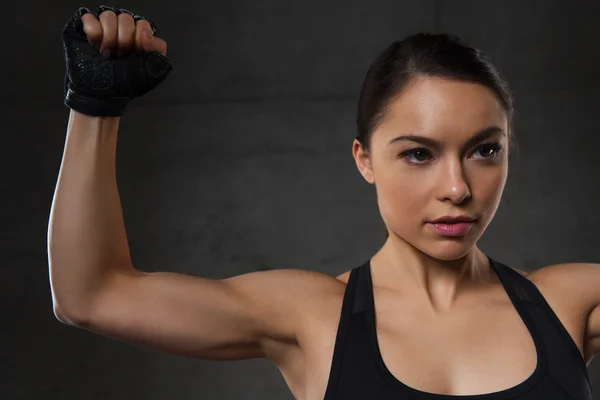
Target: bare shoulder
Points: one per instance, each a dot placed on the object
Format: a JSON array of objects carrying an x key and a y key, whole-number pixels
[
  {"x": 583, "y": 278},
  {"x": 578, "y": 282}
]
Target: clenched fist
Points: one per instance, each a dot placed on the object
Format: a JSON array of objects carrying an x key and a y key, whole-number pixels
[{"x": 111, "y": 57}]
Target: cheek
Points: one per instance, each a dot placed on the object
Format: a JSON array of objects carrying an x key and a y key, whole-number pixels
[
  {"x": 489, "y": 185},
  {"x": 402, "y": 197}
]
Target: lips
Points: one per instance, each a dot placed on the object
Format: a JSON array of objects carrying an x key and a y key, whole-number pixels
[
  {"x": 452, "y": 220},
  {"x": 455, "y": 229}
]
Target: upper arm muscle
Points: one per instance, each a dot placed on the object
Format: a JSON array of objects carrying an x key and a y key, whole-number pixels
[{"x": 198, "y": 317}]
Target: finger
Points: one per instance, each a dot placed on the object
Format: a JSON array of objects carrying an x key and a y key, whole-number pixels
[
  {"x": 156, "y": 44},
  {"x": 146, "y": 41},
  {"x": 92, "y": 29},
  {"x": 152, "y": 24},
  {"x": 140, "y": 35},
  {"x": 109, "y": 22},
  {"x": 126, "y": 34}
]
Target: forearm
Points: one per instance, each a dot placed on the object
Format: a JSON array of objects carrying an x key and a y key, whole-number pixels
[{"x": 86, "y": 232}]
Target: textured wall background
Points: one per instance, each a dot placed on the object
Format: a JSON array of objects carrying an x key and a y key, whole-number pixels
[{"x": 242, "y": 160}]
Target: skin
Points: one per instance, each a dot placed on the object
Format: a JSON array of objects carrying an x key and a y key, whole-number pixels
[
  {"x": 449, "y": 180},
  {"x": 438, "y": 306},
  {"x": 120, "y": 34}
]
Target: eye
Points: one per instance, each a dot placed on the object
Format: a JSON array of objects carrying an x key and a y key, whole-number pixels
[
  {"x": 495, "y": 147},
  {"x": 419, "y": 153}
]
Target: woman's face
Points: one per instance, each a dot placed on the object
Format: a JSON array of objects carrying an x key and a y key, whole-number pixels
[{"x": 451, "y": 171}]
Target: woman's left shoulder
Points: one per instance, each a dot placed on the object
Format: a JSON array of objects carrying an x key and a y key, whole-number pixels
[
  {"x": 582, "y": 277},
  {"x": 571, "y": 286}
]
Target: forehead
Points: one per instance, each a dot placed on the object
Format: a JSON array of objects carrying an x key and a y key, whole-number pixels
[{"x": 443, "y": 108}]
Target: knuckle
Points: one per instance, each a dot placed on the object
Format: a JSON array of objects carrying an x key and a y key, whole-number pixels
[
  {"x": 145, "y": 24},
  {"x": 126, "y": 25},
  {"x": 107, "y": 16},
  {"x": 142, "y": 24},
  {"x": 152, "y": 25},
  {"x": 109, "y": 30},
  {"x": 90, "y": 22},
  {"x": 91, "y": 26},
  {"x": 89, "y": 18},
  {"x": 126, "y": 18}
]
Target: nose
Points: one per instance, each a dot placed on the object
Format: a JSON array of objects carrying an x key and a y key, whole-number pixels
[{"x": 453, "y": 185}]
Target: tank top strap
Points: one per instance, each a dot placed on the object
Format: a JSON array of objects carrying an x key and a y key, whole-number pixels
[
  {"x": 359, "y": 300},
  {"x": 352, "y": 303},
  {"x": 518, "y": 286},
  {"x": 515, "y": 284}
]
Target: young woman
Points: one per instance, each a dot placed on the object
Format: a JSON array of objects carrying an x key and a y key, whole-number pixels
[{"x": 428, "y": 316}]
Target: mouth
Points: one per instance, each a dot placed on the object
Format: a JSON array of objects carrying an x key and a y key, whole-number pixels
[
  {"x": 453, "y": 220},
  {"x": 460, "y": 228}
]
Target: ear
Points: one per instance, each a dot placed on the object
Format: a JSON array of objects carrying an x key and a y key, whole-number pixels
[{"x": 363, "y": 161}]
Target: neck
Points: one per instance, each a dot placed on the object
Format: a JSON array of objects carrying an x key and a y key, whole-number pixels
[{"x": 402, "y": 267}]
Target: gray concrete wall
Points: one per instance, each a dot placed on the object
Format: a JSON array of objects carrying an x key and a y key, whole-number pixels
[{"x": 242, "y": 160}]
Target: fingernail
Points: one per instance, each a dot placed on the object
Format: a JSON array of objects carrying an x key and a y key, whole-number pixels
[{"x": 106, "y": 54}]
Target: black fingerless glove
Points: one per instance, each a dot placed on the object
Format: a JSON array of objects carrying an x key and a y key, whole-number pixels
[{"x": 99, "y": 87}]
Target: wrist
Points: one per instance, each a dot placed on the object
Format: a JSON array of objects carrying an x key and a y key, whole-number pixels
[{"x": 100, "y": 125}]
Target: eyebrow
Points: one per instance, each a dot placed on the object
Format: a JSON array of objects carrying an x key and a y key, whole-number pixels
[{"x": 480, "y": 135}]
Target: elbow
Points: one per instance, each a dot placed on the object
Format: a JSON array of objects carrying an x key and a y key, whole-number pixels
[
  {"x": 79, "y": 311},
  {"x": 69, "y": 317}
]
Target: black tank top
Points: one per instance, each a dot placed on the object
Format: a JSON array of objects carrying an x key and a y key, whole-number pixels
[{"x": 358, "y": 371}]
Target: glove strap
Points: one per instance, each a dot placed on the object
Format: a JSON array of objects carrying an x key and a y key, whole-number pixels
[{"x": 109, "y": 107}]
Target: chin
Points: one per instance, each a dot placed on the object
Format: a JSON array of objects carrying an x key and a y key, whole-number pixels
[{"x": 448, "y": 249}]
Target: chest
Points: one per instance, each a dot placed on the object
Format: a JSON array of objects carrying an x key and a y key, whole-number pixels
[{"x": 483, "y": 347}]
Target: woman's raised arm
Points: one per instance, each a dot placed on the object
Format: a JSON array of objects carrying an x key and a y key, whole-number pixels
[
  {"x": 93, "y": 281},
  {"x": 96, "y": 287}
]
